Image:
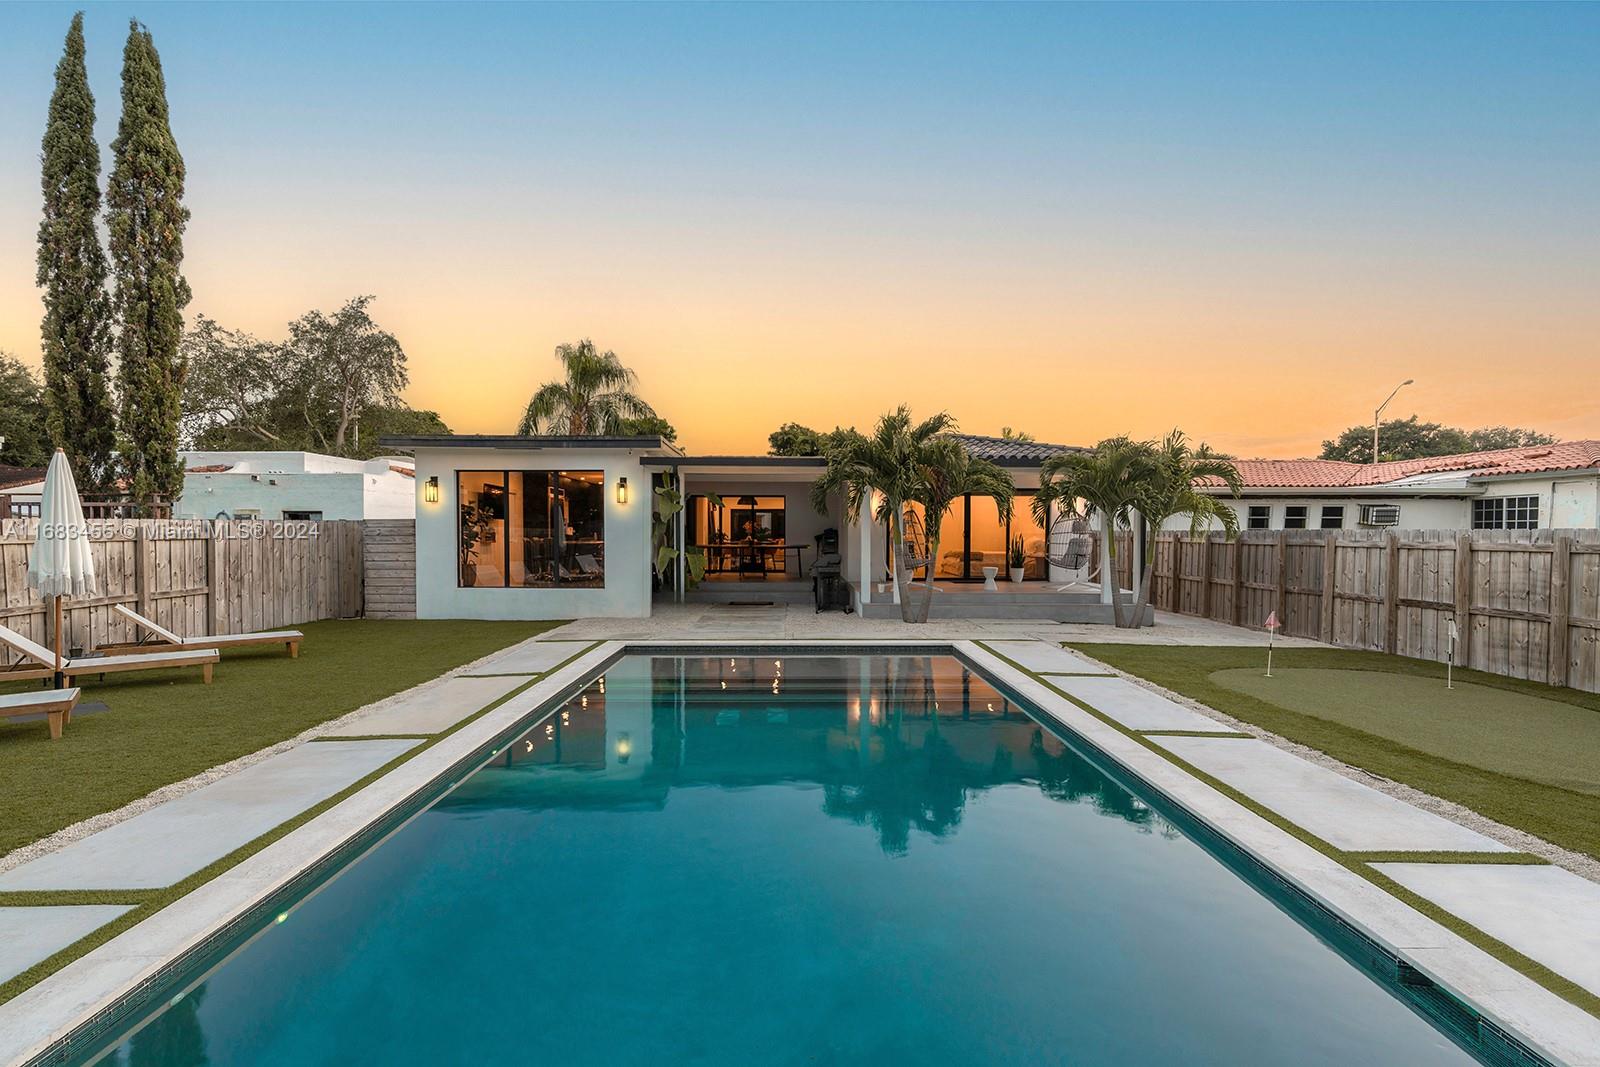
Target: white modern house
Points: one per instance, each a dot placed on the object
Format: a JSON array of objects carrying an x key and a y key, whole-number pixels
[
  {"x": 1533, "y": 488},
  {"x": 549, "y": 527},
  {"x": 295, "y": 485}
]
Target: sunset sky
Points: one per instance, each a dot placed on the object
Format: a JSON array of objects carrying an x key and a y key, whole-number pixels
[{"x": 1250, "y": 222}]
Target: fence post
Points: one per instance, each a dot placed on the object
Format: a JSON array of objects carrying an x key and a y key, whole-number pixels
[
  {"x": 213, "y": 585},
  {"x": 143, "y": 568},
  {"x": 1330, "y": 581},
  {"x": 1464, "y": 599},
  {"x": 1238, "y": 581},
  {"x": 1174, "y": 569},
  {"x": 1560, "y": 569},
  {"x": 1391, "y": 594},
  {"x": 1205, "y": 576},
  {"x": 1281, "y": 604}
]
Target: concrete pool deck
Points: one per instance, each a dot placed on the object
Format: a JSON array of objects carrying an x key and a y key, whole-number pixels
[{"x": 1563, "y": 1032}]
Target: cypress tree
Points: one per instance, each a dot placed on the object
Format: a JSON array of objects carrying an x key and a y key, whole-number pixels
[
  {"x": 144, "y": 206},
  {"x": 76, "y": 332}
]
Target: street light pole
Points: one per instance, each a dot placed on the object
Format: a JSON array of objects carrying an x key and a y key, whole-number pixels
[{"x": 1376, "y": 415}]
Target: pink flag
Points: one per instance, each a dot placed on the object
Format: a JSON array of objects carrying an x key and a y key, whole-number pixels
[{"x": 1272, "y": 621}]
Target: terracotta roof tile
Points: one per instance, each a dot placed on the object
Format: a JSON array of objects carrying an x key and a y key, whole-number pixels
[{"x": 1329, "y": 473}]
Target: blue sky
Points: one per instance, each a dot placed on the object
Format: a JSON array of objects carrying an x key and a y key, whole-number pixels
[{"x": 900, "y": 196}]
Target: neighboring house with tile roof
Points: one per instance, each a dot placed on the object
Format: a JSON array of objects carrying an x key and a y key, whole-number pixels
[
  {"x": 295, "y": 485},
  {"x": 1534, "y": 487}
]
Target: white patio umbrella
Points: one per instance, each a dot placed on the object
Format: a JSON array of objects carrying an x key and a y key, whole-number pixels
[{"x": 61, "y": 563}]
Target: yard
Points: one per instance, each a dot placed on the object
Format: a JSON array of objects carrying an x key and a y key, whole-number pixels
[
  {"x": 164, "y": 726},
  {"x": 1518, "y": 752}
]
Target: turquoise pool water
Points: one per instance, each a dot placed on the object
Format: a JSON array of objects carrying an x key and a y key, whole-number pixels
[{"x": 830, "y": 860}]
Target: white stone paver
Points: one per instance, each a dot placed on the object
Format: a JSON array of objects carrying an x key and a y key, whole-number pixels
[
  {"x": 1344, "y": 813},
  {"x": 1136, "y": 707},
  {"x": 1046, "y": 657},
  {"x": 532, "y": 656},
  {"x": 28, "y": 935},
  {"x": 430, "y": 709},
  {"x": 1546, "y": 913},
  {"x": 173, "y": 840}
]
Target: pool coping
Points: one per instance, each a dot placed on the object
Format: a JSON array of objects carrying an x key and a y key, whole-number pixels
[{"x": 49, "y": 1020}]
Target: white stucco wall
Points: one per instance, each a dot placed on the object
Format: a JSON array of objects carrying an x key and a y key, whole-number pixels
[
  {"x": 627, "y": 589},
  {"x": 271, "y": 483},
  {"x": 1416, "y": 512}
]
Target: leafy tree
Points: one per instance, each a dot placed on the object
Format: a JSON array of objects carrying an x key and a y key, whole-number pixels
[
  {"x": 245, "y": 393},
  {"x": 1107, "y": 481},
  {"x": 1169, "y": 489},
  {"x": 793, "y": 439},
  {"x": 23, "y": 417},
  {"x": 885, "y": 471},
  {"x": 649, "y": 425},
  {"x": 1494, "y": 437},
  {"x": 336, "y": 367},
  {"x": 1413, "y": 439},
  {"x": 231, "y": 387},
  {"x": 146, "y": 217},
  {"x": 1008, "y": 434},
  {"x": 79, "y": 413},
  {"x": 594, "y": 398}
]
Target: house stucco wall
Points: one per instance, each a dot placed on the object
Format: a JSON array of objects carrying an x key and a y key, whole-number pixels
[
  {"x": 271, "y": 483},
  {"x": 627, "y": 589}
]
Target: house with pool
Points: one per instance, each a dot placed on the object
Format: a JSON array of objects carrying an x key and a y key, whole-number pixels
[{"x": 554, "y": 527}]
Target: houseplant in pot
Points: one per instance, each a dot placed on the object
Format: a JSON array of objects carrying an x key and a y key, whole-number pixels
[{"x": 1018, "y": 558}]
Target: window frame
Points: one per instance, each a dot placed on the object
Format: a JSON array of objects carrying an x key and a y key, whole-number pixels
[
  {"x": 1337, "y": 511},
  {"x": 545, "y": 473},
  {"x": 1512, "y": 512},
  {"x": 1291, "y": 521},
  {"x": 1250, "y": 516}
]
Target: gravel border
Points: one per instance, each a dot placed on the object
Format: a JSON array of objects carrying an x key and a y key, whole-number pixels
[{"x": 1576, "y": 862}]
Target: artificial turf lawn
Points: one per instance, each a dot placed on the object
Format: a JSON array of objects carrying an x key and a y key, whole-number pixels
[
  {"x": 164, "y": 726},
  {"x": 1500, "y": 750}
]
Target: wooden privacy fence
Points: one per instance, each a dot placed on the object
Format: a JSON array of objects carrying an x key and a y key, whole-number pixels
[
  {"x": 191, "y": 576},
  {"x": 1526, "y": 602}
]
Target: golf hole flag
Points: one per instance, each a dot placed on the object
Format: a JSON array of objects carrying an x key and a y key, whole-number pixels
[{"x": 1272, "y": 630}]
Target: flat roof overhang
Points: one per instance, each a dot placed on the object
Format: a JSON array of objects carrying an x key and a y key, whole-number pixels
[
  {"x": 523, "y": 441},
  {"x": 736, "y": 462}
]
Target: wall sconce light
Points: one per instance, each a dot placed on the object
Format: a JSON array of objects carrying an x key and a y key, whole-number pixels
[
  {"x": 430, "y": 492},
  {"x": 622, "y": 490}
]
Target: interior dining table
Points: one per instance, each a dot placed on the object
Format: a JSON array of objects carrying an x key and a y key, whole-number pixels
[{"x": 751, "y": 556}]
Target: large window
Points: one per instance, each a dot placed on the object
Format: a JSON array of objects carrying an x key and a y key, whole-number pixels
[
  {"x": 972, "y": 536},
  {"x": 1506, "y": 513},
  {"x": 531, "y": 529}
]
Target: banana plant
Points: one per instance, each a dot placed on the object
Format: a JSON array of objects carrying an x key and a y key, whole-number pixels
[{"x": 669, "y": 501}]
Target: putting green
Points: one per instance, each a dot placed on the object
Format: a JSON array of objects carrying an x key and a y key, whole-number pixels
[{"x": 1510, "y": 733}]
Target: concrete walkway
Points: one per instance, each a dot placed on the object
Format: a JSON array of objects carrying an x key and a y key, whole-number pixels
[
  {"x": 431, "y": 709},
  {"x": 1134, "y": 706},
  {"x": 28, "y": 935},
  {"x": 173, "y": 840},
  {"x": 1546, "y": 913},
  {"x": 670, "y": 622}
]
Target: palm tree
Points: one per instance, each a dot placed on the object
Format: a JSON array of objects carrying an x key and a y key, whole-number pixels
[
  {"x": 1107, "y": 482},
  {"x": 885, "y": 471},
  {"x": 1170, "y": 489},
  {"x": 595, "y": 399},
  {"x": 950, "y": 472}
]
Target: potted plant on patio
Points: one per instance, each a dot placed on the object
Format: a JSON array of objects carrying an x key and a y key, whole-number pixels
[{"x": 1018, "y": 558}]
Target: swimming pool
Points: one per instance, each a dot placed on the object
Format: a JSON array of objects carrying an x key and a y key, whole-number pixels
[{"x": 806, "y": 860}]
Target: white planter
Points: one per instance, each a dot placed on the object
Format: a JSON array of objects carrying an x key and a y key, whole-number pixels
[{"x": 1016, "y": 574}]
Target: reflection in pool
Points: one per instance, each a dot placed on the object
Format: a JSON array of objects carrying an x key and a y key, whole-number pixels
[{"x": 790, "y": 860}]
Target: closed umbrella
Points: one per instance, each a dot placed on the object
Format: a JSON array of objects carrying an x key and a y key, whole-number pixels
[{"x": 61, "y": 563}]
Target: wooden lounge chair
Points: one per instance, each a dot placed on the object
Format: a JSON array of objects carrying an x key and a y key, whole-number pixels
[
  {"x": 161, "y": 637},
  {"x": 55, "y": 704},
  {"x": 43, "y": 663}
]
